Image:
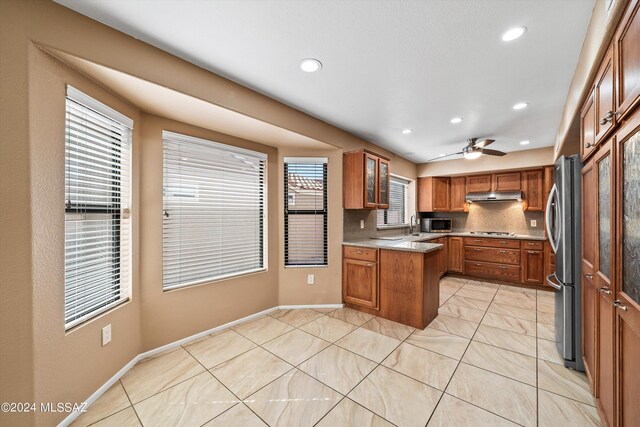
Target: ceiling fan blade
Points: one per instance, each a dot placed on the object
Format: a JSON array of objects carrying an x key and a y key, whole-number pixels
[
  {"x": 442, "y": 157},
  {"x": 484, "y": 143},
  {"x": 493, "y": 152}
]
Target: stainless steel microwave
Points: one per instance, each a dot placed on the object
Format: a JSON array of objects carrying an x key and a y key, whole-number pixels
[{"x": 435, "y": 225}]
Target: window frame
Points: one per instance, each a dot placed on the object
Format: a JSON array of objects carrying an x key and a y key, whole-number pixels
[
  {"x": 395, "y": 179},
  {"x": 117, "y": 210},
  {"x": 325, "y": 212},
  {"x": 175, "y": 137}
]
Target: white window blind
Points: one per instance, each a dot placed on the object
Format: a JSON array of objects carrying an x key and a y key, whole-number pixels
[
  {"x": 97, "y": 197},
  {"x": 214, "y": 205},
  {"x": 398, "y": 201},
  {"x": 305, "y": 211}
]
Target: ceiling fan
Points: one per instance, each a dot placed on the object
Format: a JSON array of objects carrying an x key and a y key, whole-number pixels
[{"x": 474, "y": 149}]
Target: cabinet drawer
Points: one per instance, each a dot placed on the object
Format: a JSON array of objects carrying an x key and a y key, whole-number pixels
[
  {"x": 363, "y": 254},
  {"x": 491, "y": 242},
  {"x": 502, "y": 256},
  {"x": 489, "y": 270},
  {"x": 534, "y": 245}
]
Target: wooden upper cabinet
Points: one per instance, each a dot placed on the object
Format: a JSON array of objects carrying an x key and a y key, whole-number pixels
[
  {"x": 365, "y": 179},
  {"x": 626, "y": 45},
  {"x": 478, "y": 183},
  {"x": 508, "y": 181},
  {"x": 532, "y": 186},
  {"x": 458, "y": 191},
  {"x": 383, "y": 183},
  {"x": 433, "y": 194},
  {"x": 604, "y": 101},
  {"x": 588, "y": 127}
]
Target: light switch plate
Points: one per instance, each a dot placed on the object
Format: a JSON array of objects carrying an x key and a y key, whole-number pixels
[
  {"x": 534, "y": 223},
  {"x": 362, "y": 223},
  {"x": 311, "y": 279},
  {"x": 106, "y": 335}
]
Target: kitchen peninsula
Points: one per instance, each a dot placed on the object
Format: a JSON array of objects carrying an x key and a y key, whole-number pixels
[{"x": 397, "y": 279}]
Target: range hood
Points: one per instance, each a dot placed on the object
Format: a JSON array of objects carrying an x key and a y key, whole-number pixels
[{"x": 494, "y": 196}]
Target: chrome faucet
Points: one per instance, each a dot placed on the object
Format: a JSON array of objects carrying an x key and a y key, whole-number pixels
[{"x": 411, "y": 221}]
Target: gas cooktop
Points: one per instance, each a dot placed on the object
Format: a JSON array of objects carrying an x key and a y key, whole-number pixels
[{"x": 493, "y": 233}]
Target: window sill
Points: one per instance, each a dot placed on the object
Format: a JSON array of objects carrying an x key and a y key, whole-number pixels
[
  {"x": 307, "y": 266},
  {"x": 392, "y": 227}
]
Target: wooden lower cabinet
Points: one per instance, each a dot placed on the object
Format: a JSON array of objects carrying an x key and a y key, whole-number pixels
[
  {"x": 532, "y": 266},
  {"x": 409, "y": 289},
  {"x": 455, "y": 255},
  {"x": 360, "y": 282},
  {"x": 489, "y": 270},
  {"x": 397, "y": 285},
  {"x": 507, "y": 259},
  {"x": 605, "y": 381}
]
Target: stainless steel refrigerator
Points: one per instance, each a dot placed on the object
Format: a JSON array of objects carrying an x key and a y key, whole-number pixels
[{"x": 564, "y": 229}]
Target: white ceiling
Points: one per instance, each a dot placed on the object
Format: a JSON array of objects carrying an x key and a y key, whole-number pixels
[{"x": 388, "y": 65}]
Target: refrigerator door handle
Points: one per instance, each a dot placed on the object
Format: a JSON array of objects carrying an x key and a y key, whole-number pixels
[
  {"x": 552, "y": 283},
  {"x": 553, "y": 194}
]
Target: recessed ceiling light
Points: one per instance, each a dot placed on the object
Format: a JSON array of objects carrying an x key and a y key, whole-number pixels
[
  {"x": 514, "y": 33},
  {"x": 309, "y": 65},
  {"x": 441, "y": 155},
  {"x": 520, "y": 105},
  {"x": 525, "y": 142},
  {"x": 406, "y": 131},
  {"x": 456, "y": 120}
]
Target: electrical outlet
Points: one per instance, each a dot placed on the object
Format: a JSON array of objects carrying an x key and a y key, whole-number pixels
[
  {"x": 362, "y": 223},
  {"x": 534, "y": 223},
  {"x": 106, "y": 335},
  {"x": 311, "y": 279}
]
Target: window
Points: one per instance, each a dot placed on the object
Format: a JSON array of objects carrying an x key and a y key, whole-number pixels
[
  {"x": 97, "y": 225},
  {"x": 214, "y": 211},
  {"x": 397, "y": 213},
  {"x": 305, "y": 211}
]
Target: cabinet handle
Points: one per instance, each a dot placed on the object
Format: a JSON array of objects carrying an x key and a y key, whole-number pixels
[
  {"x": 359, "y": 252},
  {"x": 530, "y": 243},
  {"x": 478, "y": 265},
  {"x": 605, "y": 290},
  {"x": 588, "y": 145},
  {"x": 589, "y": 275},
  {"x": 478, "y": 250},
  {"x": 477, "y": 240},
  {"x": 618, "y": 304},
  {"x": 369, "y": 265},
  {"x": 503, "y": 267},
  {"x": 606, "y": 119},
  {"x": 502, "y": 252},
  {"x": 532, "y": 252},
  {"x": 503, "y": 242}
]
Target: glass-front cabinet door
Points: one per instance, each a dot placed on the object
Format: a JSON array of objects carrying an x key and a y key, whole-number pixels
[
  {"x": 371, "y": 181},
  {"x": 383, "y": 182},
  {"x": 627, "y": 303},
  {"x": 605, "y": 341}
]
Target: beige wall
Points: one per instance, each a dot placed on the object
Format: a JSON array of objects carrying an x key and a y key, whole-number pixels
[
  {"x": 170, "y": 316},
  {"x": 293, "y": 280},
  {"x": 38, "y": 360},
  {"x": 513, "y": 160},
  {"x": 75, "y": 358}
]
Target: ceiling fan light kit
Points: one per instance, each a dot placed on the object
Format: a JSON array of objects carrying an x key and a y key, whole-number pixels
[{"x": 474, "y": 149}]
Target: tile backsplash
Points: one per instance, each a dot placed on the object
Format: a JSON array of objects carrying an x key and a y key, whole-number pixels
[{"x": 495, "y": 216}]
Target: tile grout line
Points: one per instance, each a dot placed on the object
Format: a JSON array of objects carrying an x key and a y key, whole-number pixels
[
  {"x": 130, "y": 401},
  {"x": 460, "y": 362},
  {"x": 365, "y": 377},
  {"x": 240, "y": 401}
]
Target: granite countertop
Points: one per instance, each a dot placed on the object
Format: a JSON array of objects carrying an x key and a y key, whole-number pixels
[
  {"x": 417, "y": 241},
  {"x": 398, "y": 243}
]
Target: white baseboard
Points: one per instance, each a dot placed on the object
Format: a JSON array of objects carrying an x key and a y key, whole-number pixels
[{"x": 111, "y": 381}]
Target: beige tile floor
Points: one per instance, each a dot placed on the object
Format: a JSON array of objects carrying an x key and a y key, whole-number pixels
[{"x": 488, "y": 360}]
